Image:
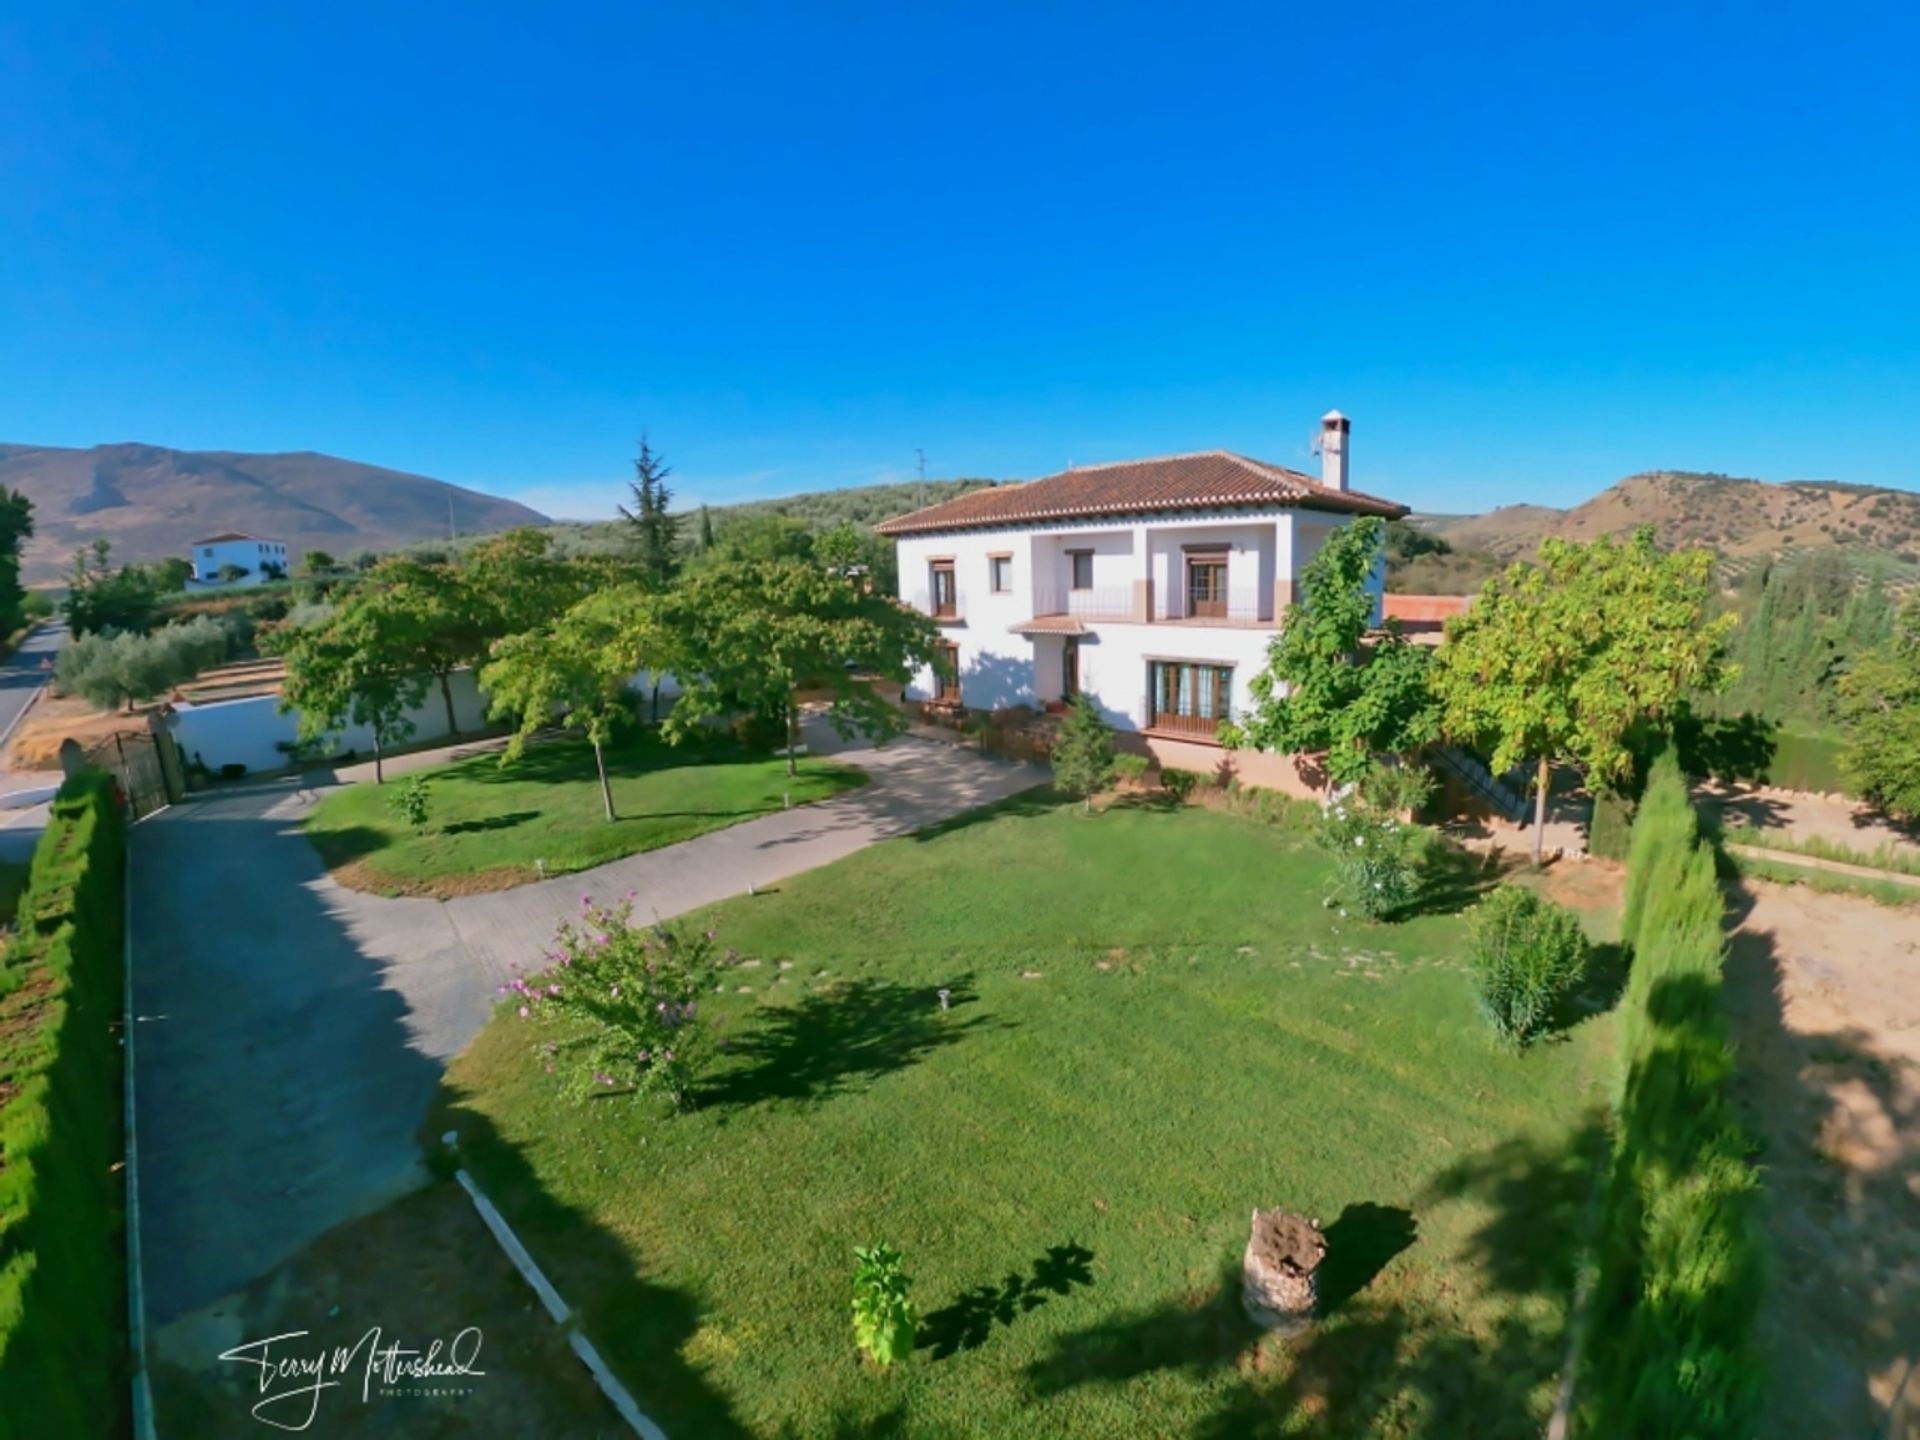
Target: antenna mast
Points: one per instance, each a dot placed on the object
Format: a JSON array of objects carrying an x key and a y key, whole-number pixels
[{"x": 920, "y": 494}]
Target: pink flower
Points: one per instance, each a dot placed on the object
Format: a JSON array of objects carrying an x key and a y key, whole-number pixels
[
  {"x": 553, "y": 989},
  {"x": 523, "y": 1012},
  {"x": 615, "y": 992}
]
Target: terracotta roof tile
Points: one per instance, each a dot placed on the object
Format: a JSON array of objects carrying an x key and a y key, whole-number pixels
[{"x": 1211, "y": 479}]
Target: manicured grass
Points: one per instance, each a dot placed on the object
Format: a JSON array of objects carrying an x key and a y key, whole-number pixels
[
  {"x": 490, "y": 823},
  {"x": 1155, "y": 1028}
]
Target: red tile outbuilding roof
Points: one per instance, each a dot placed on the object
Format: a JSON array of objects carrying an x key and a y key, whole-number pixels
[{"x": 1209, "y": 480}]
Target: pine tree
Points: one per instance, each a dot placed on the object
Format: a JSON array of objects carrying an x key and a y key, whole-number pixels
[
  {"x": 1083, "y": 751},
  {"x": 656, "y": 533},
  {"x": 706, "y": 530}
]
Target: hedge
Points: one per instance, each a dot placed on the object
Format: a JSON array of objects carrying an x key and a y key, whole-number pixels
[
  {"x": 63, "y": 1342},
  {"x": 1679, "y": 1267}
]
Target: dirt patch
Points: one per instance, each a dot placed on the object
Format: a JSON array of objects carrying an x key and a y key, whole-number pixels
[
  {"x": 1585, "y": 884},
  {"x": 35, "y": 745},
  {"x": 1824, "y": 993},
  {"x": 359, "y": 875},
  {"x": 421, "y": 1270}
]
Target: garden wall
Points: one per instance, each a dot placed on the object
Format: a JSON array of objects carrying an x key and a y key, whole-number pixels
[
  {"x": 1679, "y": 1274},
  {"x": 63, "y": 1302},
  {"x": 250, "y": 731}
]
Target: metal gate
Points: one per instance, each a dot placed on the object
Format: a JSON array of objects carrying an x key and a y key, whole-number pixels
[{"x": 147, "y": 767}]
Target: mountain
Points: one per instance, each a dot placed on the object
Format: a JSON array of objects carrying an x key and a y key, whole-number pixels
[
  {"x": 1740, "y": 521},
  {"x": 152, "y": 502}
]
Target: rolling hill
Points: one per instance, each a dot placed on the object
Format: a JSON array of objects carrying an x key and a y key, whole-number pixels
[
  {"x": 1741, "y": 521},
  {"x": 152, "y": 502}
]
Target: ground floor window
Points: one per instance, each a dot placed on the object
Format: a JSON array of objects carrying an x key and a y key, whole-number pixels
[
  {"x": 1189, "y": 697},
  {"x": 946, "y": 672}
]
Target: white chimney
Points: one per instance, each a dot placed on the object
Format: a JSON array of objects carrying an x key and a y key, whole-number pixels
[{"x": 1333, "y": 449}]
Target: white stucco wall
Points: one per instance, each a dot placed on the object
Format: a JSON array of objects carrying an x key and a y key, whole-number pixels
[
  {"x": 250, "y": 554},
  {"x": 999, "y": 669}
]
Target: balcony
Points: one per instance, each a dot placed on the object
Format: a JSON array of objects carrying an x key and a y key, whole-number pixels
[
  {"x": 1238, "y": 607},
  {"x": 1105, "y": 603},
  {"x": 946, "y": 607}
]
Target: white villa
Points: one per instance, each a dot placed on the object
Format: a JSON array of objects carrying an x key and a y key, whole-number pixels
[
  {"x": 260, "y": 558},
  {"x": 1153, "y": 587}
]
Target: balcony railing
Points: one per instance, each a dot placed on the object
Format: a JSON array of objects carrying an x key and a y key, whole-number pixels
[
  {"x": 949, "y": 607},
  {"x": 1200, "y": 727},
  {"x": 1238, "y": 605},
  {"x": 1107, "y": 602}
]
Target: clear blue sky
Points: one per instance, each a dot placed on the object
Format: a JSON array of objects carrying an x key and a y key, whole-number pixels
[{"x": 1527, "y": 251}]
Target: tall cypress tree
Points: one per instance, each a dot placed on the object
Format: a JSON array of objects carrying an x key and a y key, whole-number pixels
[{"x": 656, "y": 533}]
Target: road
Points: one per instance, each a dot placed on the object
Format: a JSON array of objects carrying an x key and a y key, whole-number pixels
[{"x": 20, "y": 680}]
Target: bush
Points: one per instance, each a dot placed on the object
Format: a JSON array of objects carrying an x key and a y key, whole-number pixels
[
  {"x": 1527, "y": 953},
  {"x": 232, "y": 770},
  {"x": 884, "y": 1320},
  {"x": 411, "y": 802},
  {"x": 1373, "y": 855},
  {"x": 1679, "y": 1266},
  {"x": 1083, "y": 751},
  {"x": 1611, "y": 829},
  {"x": 62, "y": 1280},
  {"x": 760, "y": 731},
  {"x": 622, "y": 1005},
  {"x": 1131, "y": 768},
  {"x": 1178, "y": 783}
]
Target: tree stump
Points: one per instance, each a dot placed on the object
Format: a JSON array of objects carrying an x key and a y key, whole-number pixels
[{"x": 1277, "y": 1274}]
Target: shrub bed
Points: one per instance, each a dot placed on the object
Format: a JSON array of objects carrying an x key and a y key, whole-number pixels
[
  {"x": 62, "y": 1276},
  {"x": 1679, "y": 1272}
]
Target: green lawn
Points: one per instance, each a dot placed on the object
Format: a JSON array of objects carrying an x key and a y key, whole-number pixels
[
  {"x": 1156, "y": 1027},
  {"x": 490, "y": 823}
]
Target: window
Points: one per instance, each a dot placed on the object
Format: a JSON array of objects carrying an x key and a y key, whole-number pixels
[
  {"x": 1207, "y": 586},
  {"x": 1190, "y": 698},
  {"x": 1081, "y": 569},
  {"x": 1000, "y": 573},
  {"x": 946, "y": 673},
  {"x": 946, "y": 598}
]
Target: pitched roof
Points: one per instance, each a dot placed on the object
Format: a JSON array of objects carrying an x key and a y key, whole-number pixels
[
  {"x": 1210, "y": 479},
  {"x": 229, "y": 535}
]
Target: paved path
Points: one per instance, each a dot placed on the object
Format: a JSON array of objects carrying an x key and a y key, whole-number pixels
[
  {"x": 21, "y": 679},
  {"x": 292, "y": 1032}
]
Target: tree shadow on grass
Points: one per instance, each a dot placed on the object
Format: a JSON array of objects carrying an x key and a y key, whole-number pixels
[
  {"x": 1027, "y": 805},
  {"x": 968, "y": 1322},
  {"x": 1601, "y": 985},
  {"x": 849, "y": 1035},
  {"x": 492, "y": 822},
  {"x": 1359, "y": 1246},
  {"x": 639, "y": 1325},
  {"x": 1371, "y": 1363},
  {"x": 1450, "y": 878},
  {"x": 350, "y": 842}
]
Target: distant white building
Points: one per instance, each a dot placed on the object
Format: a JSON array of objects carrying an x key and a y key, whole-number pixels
[{"x": 262, "y": 560}]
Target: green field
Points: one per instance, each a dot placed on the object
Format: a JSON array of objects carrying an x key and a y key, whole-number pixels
[
  {"x": 489, "y": 823},
  {"x": 1156, "y": 1026}
]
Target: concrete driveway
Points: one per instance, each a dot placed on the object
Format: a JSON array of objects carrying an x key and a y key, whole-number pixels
[{"x": 292, "y": 1033}]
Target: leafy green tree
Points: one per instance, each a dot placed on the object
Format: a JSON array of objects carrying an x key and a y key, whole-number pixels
[
  {"x": 515, "y": 581},
  {"x": 429, "y": 618},
  {"x": 230, "y": 573},
  {"x": 760, "y": 538},
  {"x": 655, "y": 530},
  {"x": 359, "y": 667},
  {"x": 170, "y": 575},
  {"x": 746, "y": 636},
  {"x": 1083, "y": 751},
  {"x": 316, "y": 562},
  {"x": 109, "y": 670},
  {"x": 579, "y": 668},
  {"x": 1880, "y": 707},
  {"x": 706, "y": 528},
  {"x": 102, "y": 598},
  {"x": 1326, "y": 688},
  {"x": 1567, "y": 659}
]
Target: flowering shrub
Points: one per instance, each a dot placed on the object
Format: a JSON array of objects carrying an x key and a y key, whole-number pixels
[
  {"x": 884, "y": 1320},
  {"x": 623, "y": 1003},
  {"x": 1374, "y": 854}
]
